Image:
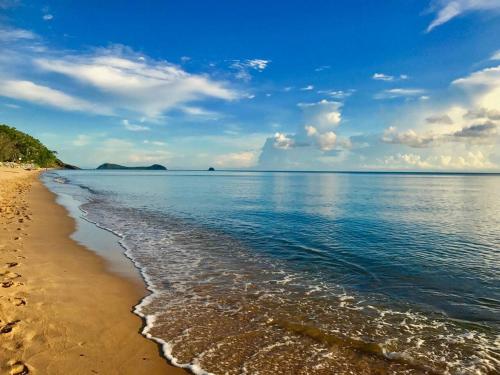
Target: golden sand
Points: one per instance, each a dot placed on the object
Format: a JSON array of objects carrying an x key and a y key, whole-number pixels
[{"x": 61, "y": 310}]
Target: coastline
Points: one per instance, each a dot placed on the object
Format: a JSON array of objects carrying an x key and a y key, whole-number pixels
[{"x": 62, "y": 310}]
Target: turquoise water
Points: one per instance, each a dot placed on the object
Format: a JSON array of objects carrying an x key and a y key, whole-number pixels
[{"x": 273, "y": 272}]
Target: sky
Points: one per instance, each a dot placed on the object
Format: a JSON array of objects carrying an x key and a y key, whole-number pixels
[{"x": 389, "y": 85}]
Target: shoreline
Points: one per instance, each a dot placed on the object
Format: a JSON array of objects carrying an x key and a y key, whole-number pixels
[{"x": 62, "y": 309}]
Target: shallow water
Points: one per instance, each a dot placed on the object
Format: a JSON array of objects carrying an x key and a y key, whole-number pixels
[{"x": 309, "y": 273}]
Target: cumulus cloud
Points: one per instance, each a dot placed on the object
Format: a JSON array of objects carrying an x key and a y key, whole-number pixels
[
  {"x": 485, "y": 133},
  {"x": 471, "y": 160},
  {"x": 446, "y": 10},
  {"x": 483, "y": 86},
  {"x": 283, "y": 141},
  {"x": 483, "y": 113},
  {"x": 47, "y": 17},
  {"x": 409, "y": 138},
  {"x": 324, "y": 115},
  {"x": 44, "y": 95},
  {"x": 326, "y": 141},
  {"x": 317, "y": 137}
]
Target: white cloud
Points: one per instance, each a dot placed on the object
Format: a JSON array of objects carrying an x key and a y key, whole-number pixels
[
  {"x": 200, "y": 112},
  {"x": 389, "y": 78},
  {"x": 400, "y": 93},
  {"x": 337, "y": 94},
  {"x": 150, "y": 88},
  {"x": 258, "y": 64},
  {"x": 243, "y": 67},
  {"x": 321, "y": 118},
  {"x": 469, "y": 161},
  {"x": 483, "y": 86},
  {"x": 326, "y": 141},
  {"x": 324, "y": 115},
  {"x": 283, "y": 141},
  {"x": 310, "y": 130},
  {"x": 322, "y": 67},
  {"x": 479, "y": 133},
  {"x": 307, "y": 88},
  {"x": 12, "y": 35},
  {"x": 133, "y": 127},
  {"x": 382, "y": 77},
  {"x": 409, "y": 138},
  {"x": 47, "y": 17},
  {"x": 244, "y": 159},
  {"x": 446, "y": 10},
  {"x": 43, "y": 95},
  {"x": 495, "y": 56}
]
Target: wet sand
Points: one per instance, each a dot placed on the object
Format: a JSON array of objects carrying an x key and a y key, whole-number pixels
[{"x": 61, "y": 310}]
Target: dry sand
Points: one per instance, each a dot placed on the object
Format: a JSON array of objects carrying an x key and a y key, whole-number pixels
[{"x": 61, "y": 310}]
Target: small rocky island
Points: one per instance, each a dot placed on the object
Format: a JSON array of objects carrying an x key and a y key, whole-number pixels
[
  {"x": 211, "y": 169},
  {"x": 154, "y": 167}
]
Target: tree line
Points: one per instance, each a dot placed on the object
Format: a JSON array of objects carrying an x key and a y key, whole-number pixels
[{"x": 16, "y": 146}]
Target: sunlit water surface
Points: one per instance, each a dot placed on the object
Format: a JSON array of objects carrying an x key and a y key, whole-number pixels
[{"x": 309, "y": 273}]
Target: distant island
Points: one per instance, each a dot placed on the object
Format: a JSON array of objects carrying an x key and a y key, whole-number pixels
[
  {"x": 154, "y": 167},
  {"x": 211, "y": 169}
]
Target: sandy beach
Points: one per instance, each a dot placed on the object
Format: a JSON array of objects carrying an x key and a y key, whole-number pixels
[{"x": 61, "y": 310}]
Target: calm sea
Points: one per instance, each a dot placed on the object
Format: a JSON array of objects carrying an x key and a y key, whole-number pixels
[{"x": 309, "y": 273}]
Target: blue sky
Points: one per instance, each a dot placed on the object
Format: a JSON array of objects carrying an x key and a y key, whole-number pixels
[{"x": 323, "y": 85}]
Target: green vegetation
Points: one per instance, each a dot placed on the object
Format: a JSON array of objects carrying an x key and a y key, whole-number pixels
[
  {"x": 154, "y": 167},
  {"x": 16, "y": 146}
]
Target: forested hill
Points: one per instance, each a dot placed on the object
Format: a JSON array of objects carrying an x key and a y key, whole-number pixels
[{"x": 16, "y": 146}]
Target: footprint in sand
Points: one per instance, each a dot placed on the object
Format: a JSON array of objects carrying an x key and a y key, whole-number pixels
[
  {"x": 19, "y": 368},
  {"x": 19, "y": 301},
  {"x": 10, "y": 275},
  {"x": 7, "y": 284},
  {"x": 8, "y": 327},
  {"x": 11, "y": 264}
]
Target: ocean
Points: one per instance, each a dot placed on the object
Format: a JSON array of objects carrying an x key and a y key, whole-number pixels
[{"x": 308, "y": 273}]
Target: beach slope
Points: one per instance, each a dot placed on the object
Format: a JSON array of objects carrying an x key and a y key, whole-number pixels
[{"x": 61, "y": 311}]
